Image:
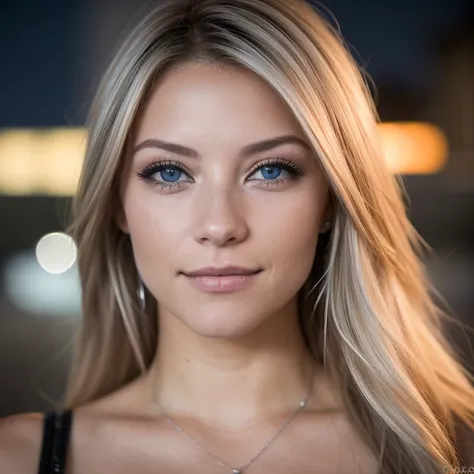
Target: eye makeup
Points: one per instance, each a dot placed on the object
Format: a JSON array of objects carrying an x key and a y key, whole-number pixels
[{"x": 175, "y": 170}]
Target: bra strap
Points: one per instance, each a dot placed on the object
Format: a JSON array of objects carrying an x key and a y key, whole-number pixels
[
  {"x": 57, "y": 429},
  {"x": 48, "y": 434}
]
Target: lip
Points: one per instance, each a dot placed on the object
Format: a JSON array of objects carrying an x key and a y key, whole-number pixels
[
  {"x": 230, "y": 270},
  {"x": 223, "y": 283}
]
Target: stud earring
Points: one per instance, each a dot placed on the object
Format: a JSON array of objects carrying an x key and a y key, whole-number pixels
[{"x": 325, "y": 227}]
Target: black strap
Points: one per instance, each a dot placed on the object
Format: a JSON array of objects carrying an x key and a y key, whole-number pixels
[
  {"x": 56, "y": 430},
  {"x": 48, "y": 433}
]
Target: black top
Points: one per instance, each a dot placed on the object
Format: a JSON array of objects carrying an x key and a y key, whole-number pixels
[{"x": 57, "y": 427}]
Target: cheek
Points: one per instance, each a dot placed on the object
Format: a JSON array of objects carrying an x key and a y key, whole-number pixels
[
  {"x": 291, "y": 225},
  {"x": 155, "y": 232},
  {"x": 291, "y": 236}
]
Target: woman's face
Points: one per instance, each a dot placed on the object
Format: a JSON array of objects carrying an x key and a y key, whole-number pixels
[{"x": 215, "y": 200}]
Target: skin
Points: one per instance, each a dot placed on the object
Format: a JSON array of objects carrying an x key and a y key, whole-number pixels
[{"x": 230, "y": 368}]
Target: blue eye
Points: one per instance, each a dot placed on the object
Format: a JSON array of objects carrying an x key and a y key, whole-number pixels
[
  {"x": 163, "y": 174},
  {"x": 272, "y": 168},
  {"x": 270, "y": 172},
  {"x": 170, "y": 173},
  {"x": 167, "y": 173}
]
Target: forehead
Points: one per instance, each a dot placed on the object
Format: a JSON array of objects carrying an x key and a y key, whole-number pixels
[{"x": 197, "y": 99}]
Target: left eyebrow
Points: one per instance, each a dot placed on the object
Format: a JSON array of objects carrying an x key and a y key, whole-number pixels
[{"x": 245, "y": 152}]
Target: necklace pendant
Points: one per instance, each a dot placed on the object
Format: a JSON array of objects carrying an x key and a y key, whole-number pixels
[{"x": 236, "y": 471}]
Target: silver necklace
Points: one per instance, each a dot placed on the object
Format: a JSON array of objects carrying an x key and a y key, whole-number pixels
[{"x": 221, "y": 463}]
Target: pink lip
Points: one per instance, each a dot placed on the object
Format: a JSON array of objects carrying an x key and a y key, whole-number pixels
[
  {"x": 222, "y": 271},
  {"x": 223, "y": 283}
]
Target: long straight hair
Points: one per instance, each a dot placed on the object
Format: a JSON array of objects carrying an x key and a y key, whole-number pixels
[{"x": 367, "y": 310}]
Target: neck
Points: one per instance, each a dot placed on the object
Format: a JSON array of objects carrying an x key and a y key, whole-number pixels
[{"x": 226, "y": 382}]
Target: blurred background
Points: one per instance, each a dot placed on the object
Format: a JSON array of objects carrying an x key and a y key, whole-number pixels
[{"x": 419, "y": 53}]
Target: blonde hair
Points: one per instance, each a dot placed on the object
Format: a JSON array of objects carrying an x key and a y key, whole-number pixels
[{"x": 366, "y": 309}]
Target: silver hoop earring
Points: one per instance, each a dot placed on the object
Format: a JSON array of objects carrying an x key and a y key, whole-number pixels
[{"x": 141, "y": 294}]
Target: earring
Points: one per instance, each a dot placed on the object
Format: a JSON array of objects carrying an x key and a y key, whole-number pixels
[
  {"x": 325, "y": 227},
  {"x": 141, "y": 294}
]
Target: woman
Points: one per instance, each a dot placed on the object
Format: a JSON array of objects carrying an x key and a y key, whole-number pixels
[{"x": 252, "y": 292}]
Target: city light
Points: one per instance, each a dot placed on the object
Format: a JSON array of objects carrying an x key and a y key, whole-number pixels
[{"x": 48, "y": 161}]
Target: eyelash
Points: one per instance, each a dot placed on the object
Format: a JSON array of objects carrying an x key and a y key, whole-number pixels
[{"x": 161, "y": 165}]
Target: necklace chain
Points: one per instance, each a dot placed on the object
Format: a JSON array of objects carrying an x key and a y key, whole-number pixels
[{"x": 221, "y": 463}]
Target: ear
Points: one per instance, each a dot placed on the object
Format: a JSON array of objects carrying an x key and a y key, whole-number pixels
[
  {"x": 118, "y": 211},
  {"x": 119, "y": 216},
  {"x": 328, "y": 214},
  {"x": 121, "y": 220}
]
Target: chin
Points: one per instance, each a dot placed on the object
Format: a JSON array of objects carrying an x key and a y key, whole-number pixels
[{"x": 224, "y": 324}]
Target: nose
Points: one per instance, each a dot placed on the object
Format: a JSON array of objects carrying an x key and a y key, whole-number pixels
[{"x": 220, "y": 220}]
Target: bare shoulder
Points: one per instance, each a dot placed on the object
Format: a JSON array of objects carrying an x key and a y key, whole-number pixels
[{"x": 20, "y": 443}]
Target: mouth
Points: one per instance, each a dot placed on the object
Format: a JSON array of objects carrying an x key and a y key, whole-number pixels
[
  {"x": 222, "y": 283},
  {"x": 222, "y": 271}
]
